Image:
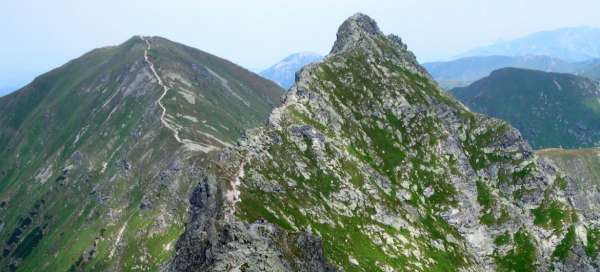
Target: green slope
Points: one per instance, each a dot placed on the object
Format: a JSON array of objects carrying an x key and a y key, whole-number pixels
[
  {"x": 550, "y": 109},
  {"x": 91, "y": 175}
]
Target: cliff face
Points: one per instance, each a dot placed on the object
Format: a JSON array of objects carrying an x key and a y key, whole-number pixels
[{"x": 369, "y": 166}]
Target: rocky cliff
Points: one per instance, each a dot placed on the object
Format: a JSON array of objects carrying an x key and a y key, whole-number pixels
[{"x": 369, "y": 166}]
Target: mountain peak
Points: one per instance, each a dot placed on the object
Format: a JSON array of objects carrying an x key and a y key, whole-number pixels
[{"x": 353, "y": 30}]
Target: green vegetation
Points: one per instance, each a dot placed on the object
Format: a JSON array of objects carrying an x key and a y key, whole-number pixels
[
  {"x": 563, "y": 248},
  {"x": 552, "y": 215},
  {"x": 502, "y": 239},
  {"x": 522, "y": 255},
  {"x": 593, "y": 242},
  {"x": 484, "y": 195}
]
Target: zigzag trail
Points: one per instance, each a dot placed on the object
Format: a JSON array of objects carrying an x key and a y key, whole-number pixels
[
  {"x": 165, "y": 90},
  {"x": 233, "y": 195}
]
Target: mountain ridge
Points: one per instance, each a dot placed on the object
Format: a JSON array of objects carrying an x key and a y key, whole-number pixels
[
  {"x": 571, "y": 44},
  {"x": 105, "y": 149}
]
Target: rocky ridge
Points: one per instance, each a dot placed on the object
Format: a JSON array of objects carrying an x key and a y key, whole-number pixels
[{"x": 369, "y": 166}]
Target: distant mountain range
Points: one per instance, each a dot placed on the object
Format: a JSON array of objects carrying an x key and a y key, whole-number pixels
[
  {"x": 570, "y": 44},
  {"x": 283, "y": 72},
  {"x": 463, "y": 71},
  {"x": 550, "y": 109}
]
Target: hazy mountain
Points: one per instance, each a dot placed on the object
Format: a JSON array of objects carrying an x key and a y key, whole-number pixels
[
  {"x": 592, "y": 70},
  {"x": 550, "y": 109},
  {"x": 98, "y": 157},
  {"x": 464, "y": 71},
  {"x": 283, "y": 72},
  {"x": 369, "y": 166},
  {"x": 571, "y": 44}
]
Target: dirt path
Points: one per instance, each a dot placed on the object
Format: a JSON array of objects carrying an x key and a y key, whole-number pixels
[{"x": 165, "y": 90}]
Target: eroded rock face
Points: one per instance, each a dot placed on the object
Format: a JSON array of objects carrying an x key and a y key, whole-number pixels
[
  {"x": 214, "y": 241},
  {"x": 369, "y": 166}
]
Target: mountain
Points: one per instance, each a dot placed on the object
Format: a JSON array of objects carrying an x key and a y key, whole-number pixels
[
  {"x": 369, "y": 166},
  {"x": 550, "y": 109},
  {"x": 283, "y": 72},
  {"x": 464, "y": 71},
  {"x": 571, "y": 44},
  {"x": 98, "y": 157}
]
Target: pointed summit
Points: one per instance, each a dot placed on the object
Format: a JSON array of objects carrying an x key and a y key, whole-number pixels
[{"x": 354, "y": 30}]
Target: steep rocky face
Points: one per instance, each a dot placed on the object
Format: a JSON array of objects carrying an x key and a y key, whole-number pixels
[
  {"x": 98, "y": 157},
  {"x": 550, "y": 109},
  {"x": 380, "y": 170}
]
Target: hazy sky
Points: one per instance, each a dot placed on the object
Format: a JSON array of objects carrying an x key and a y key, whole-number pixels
[{"x": 38, "y": 35}]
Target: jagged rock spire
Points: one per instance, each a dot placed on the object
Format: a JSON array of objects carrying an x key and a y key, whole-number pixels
[
  {"x": 361, "y": 31},
  {"x": 356, "y": 28}
]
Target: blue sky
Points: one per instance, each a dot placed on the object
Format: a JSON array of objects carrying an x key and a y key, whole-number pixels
[{"x": 38, "y": 35}]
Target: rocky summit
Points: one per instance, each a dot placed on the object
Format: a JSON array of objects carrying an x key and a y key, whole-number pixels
[{"x": 369, "y": 166}]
